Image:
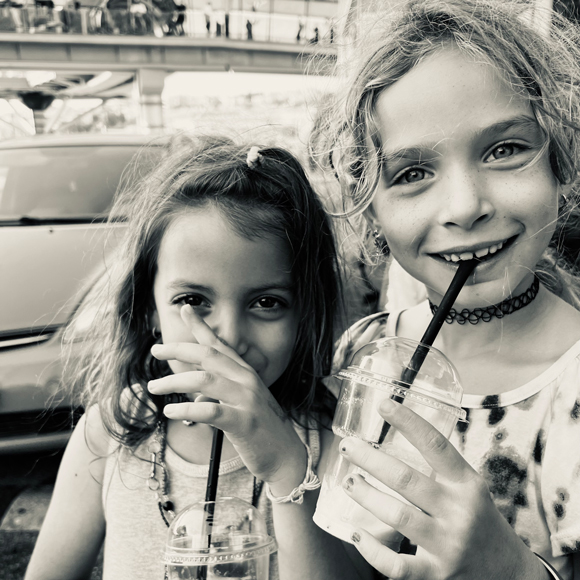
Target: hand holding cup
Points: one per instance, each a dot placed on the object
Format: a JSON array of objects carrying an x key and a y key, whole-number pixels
[{"x": 451, "y": 517}]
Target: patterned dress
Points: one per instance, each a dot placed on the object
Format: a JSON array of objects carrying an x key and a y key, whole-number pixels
[{"x": 524, "y": 442}]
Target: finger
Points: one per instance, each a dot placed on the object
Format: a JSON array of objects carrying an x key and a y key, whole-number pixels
[
  {"x": 213, "y": 413},
  {"x": 205, "y": 335},
  {"x": 436, "y": 449},
  {"x": 206, "y": 357},
  {"x": 210, "y": 385},
  {"x": 188, "y": 382},
  {"x": 406, "y": 519},
  {"x": 415, "y": 487},
  {"x": 393, "y": 565},
  {"x": 216, "y": 414}
]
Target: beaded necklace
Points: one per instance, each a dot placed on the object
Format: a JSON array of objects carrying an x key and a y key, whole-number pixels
[
  {"x": 507, "y": 306},
  {"x": 160, "y": 485}
]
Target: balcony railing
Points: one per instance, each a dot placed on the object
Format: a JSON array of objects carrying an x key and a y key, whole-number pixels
[{"x": 144, "y": 18}]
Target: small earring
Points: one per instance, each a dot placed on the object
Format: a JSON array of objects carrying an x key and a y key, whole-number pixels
[
  {"x": 382, "y": 248},
  {"x": 155, "y": 333},
  {"x": 565, "y": 201}
]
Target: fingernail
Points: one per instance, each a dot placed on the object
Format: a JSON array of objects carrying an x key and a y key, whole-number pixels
[
  {"x": 151, "y": 387},
  {"x": 169, "y": 411},
  {"x": 387, "y": 406},
  {"x": 155, "y": 348},
  {"x": 355, "y": 537},
  {"x": 187, "y": 309},
  {"x": 348, "y": 483}
]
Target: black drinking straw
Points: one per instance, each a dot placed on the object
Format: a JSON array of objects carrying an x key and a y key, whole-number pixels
[
  {"x": 214, "y": 465},
  {"x": 211, "y": 490},
  {"x": 418, "y": 358}
]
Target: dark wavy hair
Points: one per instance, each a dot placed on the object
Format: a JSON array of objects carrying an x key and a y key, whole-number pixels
[
  {"x": 271, "y": 198},
  {"x": 537, "y": 52}
]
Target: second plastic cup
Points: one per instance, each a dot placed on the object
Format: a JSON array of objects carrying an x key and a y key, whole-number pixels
[
  {"x": 374, "y": 374},
  {"x": 227, "y": 538}
]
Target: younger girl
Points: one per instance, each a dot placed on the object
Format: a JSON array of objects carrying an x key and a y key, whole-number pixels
[
  {"x": 221, "y": 303},
  {"x": 459, "y": 139}
]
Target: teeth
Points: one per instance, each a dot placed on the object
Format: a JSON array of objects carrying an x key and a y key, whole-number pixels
[{"x": 470, "y": 255}]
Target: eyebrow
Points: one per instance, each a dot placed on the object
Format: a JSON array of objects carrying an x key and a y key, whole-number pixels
[
  {"x": 183, "y": 284},
  {"x": 524, "y": 122}
]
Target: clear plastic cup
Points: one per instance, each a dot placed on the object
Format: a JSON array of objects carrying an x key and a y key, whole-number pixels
[
  {"x": 375, "y": 373},
  {"x": 227, "y": 538}
]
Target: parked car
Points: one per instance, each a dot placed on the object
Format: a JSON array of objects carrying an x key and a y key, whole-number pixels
[{"x": 55, "y": 195}]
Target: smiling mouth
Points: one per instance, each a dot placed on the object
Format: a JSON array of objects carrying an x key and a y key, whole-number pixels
[{"x": 481, "y": 255}]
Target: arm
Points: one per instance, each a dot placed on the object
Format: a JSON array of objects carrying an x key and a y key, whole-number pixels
[
  {"x": 74, "y": 526},
  {"x": 305, "y": 550}
]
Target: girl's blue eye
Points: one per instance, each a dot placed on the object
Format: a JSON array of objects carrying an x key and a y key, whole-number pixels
[
  {"x": 411, "y": 176},
  {"x": 503, "y": 151}
]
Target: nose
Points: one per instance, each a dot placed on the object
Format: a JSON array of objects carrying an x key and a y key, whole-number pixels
[
  {"x": 229, "y": 326},
  {"x": 466, "y": 201}
]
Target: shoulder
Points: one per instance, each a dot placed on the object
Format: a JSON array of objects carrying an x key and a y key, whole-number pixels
[
  {"x": 88, "y": 447},
  {"x": 558, "y": 324},
  {"x": 360, "y": 333},
  {"x": 95, "y": 435}
]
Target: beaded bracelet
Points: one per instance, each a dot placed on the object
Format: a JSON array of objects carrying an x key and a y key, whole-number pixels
[
  {"x": 310, "y": 483},
  {"x": 549, "y": 568}
]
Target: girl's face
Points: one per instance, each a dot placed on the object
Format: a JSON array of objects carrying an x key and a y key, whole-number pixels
[
  {"x": 241, "y": 288},
  {"x": 458, "y": 179}
]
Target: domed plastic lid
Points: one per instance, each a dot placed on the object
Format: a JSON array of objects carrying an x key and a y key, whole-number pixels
[
  {"x": 227, "y": 530},
  {"x": 381, "y": 364}
]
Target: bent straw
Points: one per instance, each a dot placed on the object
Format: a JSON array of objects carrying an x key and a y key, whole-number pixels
[
  {"x": 211, "y": 490},
  {"x": 418, "y": 358}
]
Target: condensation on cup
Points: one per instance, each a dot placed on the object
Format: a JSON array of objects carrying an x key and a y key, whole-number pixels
[
  {"x": 226, "y": 538},
  {"x": 375, "y": 373}
]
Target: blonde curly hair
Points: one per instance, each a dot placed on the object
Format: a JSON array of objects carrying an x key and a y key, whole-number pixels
[{"x": 541, "y": 64}]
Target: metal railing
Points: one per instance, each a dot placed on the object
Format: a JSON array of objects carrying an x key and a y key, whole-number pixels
[{"x": 144, "y": 18}]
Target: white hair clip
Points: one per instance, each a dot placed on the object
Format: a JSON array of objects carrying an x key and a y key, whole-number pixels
[{"x": 254, "y": 157}]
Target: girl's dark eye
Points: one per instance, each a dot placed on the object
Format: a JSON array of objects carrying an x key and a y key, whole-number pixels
[
  {"x": 411, "y": 176},
  {"x": 194, "y": 300},
  {"x": 268, "y": 302}
]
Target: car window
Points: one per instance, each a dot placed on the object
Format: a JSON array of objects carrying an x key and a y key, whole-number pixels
[{"x": 53, "y": 182}]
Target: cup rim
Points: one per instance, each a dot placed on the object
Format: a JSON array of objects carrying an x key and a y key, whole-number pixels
[
  {"x": 189, "y": 556},
  {"x": 400, "y": 389}
]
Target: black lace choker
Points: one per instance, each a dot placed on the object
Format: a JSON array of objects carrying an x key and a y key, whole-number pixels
[{"x": 507, "y": 306}]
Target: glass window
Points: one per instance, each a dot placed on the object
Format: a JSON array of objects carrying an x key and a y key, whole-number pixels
[{"x": 65, "y": 182}]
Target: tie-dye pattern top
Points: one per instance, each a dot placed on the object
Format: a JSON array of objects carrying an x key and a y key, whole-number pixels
[{"x": 524, "y": 442}]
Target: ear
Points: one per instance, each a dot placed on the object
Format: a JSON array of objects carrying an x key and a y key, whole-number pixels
[
  {"x": 564, "y": 194},
  {"x": 155, "y": 322},
  {"x": 371, "y": 218}
]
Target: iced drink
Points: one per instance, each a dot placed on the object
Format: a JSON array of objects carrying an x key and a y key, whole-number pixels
[
  {"x": 375, "y": 373},
  {"x": 227, "y": 538}
]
